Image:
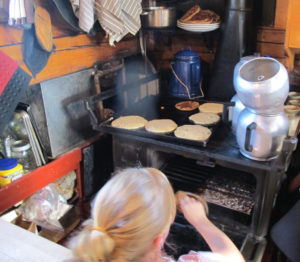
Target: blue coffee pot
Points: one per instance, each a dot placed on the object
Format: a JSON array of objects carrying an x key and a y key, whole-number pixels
[{"x": 186, "y": 77}]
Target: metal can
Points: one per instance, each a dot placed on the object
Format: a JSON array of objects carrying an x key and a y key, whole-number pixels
[{"x": 10, "y": 170}]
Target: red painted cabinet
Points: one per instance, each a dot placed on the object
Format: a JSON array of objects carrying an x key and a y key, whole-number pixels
[{"x": 40, "y": 177}]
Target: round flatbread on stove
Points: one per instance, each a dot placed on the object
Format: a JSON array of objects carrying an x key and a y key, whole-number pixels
[
  {"x": 215, "y": 108},
  {"x": 129, "y": 122},
  {"x": 161, "y": 126},
  {"x": 187, "y": 105},
  {"x": 205, "y": 118},
  {"x": 193, "y": 132}
]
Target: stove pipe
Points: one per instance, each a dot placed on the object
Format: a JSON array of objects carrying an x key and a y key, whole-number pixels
[{"x": 237, "y": 39}]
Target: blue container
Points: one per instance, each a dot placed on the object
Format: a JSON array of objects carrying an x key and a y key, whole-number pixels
[{"x": 186, "y": 76}]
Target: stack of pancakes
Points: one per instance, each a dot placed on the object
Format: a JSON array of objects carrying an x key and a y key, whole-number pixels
[{"x": 196, "y": 15}]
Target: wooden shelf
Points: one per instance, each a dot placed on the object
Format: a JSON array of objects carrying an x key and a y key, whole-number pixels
[{"x": 40, "y": 177}]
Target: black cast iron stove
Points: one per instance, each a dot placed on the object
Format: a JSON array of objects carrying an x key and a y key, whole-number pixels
[{"x": 240, "y": 192}]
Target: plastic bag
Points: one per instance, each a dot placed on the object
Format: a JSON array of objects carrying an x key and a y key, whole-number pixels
[{"x": 45, "y": 208}]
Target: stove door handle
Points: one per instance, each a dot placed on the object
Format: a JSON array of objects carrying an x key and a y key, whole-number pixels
[{"x": 249, "y": 129}]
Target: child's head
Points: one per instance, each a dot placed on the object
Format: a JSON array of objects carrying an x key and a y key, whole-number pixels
[{"x": 132, "y": 209}]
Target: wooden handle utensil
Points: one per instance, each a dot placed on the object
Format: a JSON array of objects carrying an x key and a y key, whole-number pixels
[{"x": 181, "y": 194}]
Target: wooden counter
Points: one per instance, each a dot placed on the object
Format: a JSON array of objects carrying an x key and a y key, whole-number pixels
[{"x": 19, "y": 245}]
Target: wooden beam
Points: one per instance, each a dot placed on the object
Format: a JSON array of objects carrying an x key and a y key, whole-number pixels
[
  {"x": 271, "y": 49},
  {"x": 270, "y": 35}
]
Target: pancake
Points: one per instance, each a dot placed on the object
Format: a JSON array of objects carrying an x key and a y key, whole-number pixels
[
  {"x": 205, "y": 118},
  {"x": 161, "y": 126},
  {"x": 190, "y": 13},
  {"x": 193, "y": 132},
  {"x": 204, "y": 17},
  {"x": 129, "y": 122},
  {"x": 215, "y": 108},
  {"x": 196, "y": 15},
  {"x": 187, "y": 105}
]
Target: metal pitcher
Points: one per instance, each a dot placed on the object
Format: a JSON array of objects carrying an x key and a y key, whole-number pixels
[
  {"x": 260, "y": 136},
  {"x": 186, "y": 76}
]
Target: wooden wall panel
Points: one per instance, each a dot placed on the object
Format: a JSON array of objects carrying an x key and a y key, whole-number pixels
[
  {"x": 281, "y": 14},
  {"x": 73, "y": 54},
  {"x": 270, "y": 42},
  {"x": 10, "y": 35},
  {"x": 162, "y": 50}
]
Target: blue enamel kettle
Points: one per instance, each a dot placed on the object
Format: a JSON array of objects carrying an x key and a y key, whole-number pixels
[{"x": 186, "y": 77}]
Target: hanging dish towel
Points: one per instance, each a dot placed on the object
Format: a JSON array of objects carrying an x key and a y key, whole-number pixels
[
  {"x": 119, "y": 17},
  {"x": 86, "y": 15}
]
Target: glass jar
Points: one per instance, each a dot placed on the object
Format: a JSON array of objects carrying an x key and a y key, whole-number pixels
[
  {"x": 293, "y": 114},
  {"x": 22, "y": 151}
]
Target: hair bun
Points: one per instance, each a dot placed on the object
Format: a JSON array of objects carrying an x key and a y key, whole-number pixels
[
  {"x": 93, "y": 243},
  {"x": 102, "y": 243}
]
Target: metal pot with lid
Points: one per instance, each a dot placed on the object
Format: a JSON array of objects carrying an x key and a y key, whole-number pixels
[
  {"x": 156, "y": 17},
  {"x": 262, "y": 84}
]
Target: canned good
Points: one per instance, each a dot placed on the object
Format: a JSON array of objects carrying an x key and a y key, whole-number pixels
[{"x": 10, "y": 170}]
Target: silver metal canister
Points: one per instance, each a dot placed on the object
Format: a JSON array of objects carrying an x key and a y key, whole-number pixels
[{"x": 259, "y": 136}]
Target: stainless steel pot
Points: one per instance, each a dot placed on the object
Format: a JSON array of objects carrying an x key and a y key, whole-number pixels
[
  {"x": 259, "y": 136},
  {"x": 158, "y": 17},
  {"x": 262, "y": 84}
]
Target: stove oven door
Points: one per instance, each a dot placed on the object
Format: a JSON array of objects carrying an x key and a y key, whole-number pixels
[
  {"x": 230, "y": 195},
  {"x": 233, "y": 195}
]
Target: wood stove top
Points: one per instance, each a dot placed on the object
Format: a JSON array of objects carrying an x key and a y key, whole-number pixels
[{"x": 221, "y": 146}]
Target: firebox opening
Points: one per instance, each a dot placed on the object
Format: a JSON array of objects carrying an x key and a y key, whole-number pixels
[{"x": 230, "y": 193}]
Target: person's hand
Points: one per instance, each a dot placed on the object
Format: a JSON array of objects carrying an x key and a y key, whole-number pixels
[{"x": 193, "y": 210}]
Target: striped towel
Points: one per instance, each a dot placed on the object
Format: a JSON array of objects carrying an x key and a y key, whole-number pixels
[
  {"x": 119, "y": 17},
  {"x": 86, "y": 15}
]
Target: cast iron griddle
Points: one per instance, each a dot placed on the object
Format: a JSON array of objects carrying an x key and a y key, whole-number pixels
[{"x": 154, "y": 107}]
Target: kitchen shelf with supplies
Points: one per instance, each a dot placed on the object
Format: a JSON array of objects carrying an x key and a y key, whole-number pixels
[{"x": 25, "y": 186}]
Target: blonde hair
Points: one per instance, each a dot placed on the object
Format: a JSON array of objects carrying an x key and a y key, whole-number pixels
[{"x": 130, "y": 211}]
